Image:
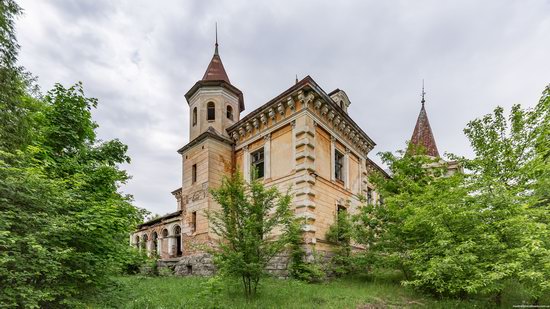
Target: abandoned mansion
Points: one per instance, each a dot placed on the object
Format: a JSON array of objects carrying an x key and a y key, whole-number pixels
[{"x": 303, "y": 138}]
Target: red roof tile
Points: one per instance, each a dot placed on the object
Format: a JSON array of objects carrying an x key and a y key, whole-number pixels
[
  {"x": 215, "y": 70},
  {"x": 423, "y": 136}
]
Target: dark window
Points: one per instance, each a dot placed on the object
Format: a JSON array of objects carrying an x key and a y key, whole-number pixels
[
  {"x": 194, "y": 221},
  {"x": 369, "y": 196},
  {"x": 194, "y": 173},
  {"x": 380, "y": 200},
  {"x": 189, "y": 269},
  {"x": 164, "y": 233},
  {"x": 144, "y": 240},
  {"x": 194, "y": 116},
  {"x": 137, "y": 241},
  {"x": 211, "y": 108},
  {"x": 341, "y": 209},
  {"x": 258, "y": 162},
  {"x": 155, "y": 243},
  {"x": 229, "y": 112},
  {"x": 177, "y": 233},
  {"x": 338, "y": 165}
]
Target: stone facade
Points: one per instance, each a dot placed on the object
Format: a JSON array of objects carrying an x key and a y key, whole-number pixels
[{"x": 308, "y": 142}]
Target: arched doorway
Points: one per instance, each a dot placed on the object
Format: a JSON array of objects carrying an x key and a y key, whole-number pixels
[
  {"x": 177, "y": 236},
  {"x": 144, "y": 239},
  {"x": 154, "y": 248}
]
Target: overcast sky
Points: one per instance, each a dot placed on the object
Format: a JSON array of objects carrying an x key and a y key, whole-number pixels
[{"x": 140, "y": 57}]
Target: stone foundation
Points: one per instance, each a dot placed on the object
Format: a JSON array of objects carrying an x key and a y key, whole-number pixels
[{"x": 201, "y": 264}]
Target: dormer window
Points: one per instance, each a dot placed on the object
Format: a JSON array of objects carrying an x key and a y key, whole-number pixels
[
  {"x": 211, "y": 111},
  {"x": 229, "y": 112}
]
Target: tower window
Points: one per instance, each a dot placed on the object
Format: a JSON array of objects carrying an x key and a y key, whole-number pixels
[
  {"x": 194, "y": 173},
  {"x": 194, "y": 116},
  {"x": 229, "y": 112},
  {"x": 211, "y": 111},
  {"x": 258, "y": 162},
  {"x": 338, "y": 165},
  {"x": 194, "y": 221}
]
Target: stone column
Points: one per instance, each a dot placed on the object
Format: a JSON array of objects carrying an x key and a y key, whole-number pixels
[
  {"x": 293, "y": 147},
  {"x": 332, "y": 158},
  {"x": 246, "y": 164},
  {"x": 267, "y": 156},
  {"x": 169, "y": 249},
  {"x": 346, "y": 170}
]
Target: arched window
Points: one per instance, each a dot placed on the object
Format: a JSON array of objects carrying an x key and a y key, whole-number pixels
[
  {"x": 211, "y": 111},
  {"x": 164, "y": 233},
  {"x": 155, "y": 244},
  {"x": 144, "y": 241},
  {"x": 229, "y": 112},
  {"x": 177, "y": 233},
  {"x": 194, "y": 116}
]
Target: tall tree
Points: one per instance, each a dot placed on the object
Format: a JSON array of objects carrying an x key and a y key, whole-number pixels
[{"x": 254, "y": 224}]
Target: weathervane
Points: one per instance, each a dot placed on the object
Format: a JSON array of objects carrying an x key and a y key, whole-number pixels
[
  {"x": 216, "y": 51},
  {"x": 423, "y": 93}
]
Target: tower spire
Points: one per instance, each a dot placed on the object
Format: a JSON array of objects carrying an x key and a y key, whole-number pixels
[
  {"x": 216, "y": 50},
  {"x": 423, "y": 93}
]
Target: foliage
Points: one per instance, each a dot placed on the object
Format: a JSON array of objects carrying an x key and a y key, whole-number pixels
[
  {"x": 340, "y": 234},
  {"x": 465, "y": 234},
  {"x": 309, "y": 271},
  {"x": 378, "y": 290},
  {"x": 64, "y": 225},
  {"x": 253, "y": 224}
]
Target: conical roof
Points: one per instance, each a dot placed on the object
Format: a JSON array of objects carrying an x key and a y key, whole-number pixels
[
  {"x": 215, "y": 70},
  {"x": 422, "y": 135}
]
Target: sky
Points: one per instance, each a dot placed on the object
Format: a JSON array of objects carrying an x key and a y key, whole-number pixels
[{"x": 139, "y": 58}]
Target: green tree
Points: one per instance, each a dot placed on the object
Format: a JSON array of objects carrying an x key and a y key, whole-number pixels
[
  {"x": 254, "y": 223},
  {"x": 64, "y": 223}
]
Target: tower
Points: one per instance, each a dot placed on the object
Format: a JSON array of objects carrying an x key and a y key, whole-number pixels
[
  {"x": 422, "y": 135},
  {"x": 214, "y": 103}
]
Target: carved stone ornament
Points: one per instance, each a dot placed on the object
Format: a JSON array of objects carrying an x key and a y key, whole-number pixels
[
  {"x": 235, "y": 136},
  {"x": 300, "y": 96},
  {"x": 256, "y": 123},
  {"x": 241, "y": 131},
  {"x": 271, "y": 113},
  {"x": 324, "y": 110},
  {"x": 337, "y": 121},
  {"x": 281, "y": 108},
  {"x": 248, "y": 127},
  {"x": 317, "y": 104},
  {"x": 290, "y": 103},
  {"x": 263, "y": 119},
  {"x": 330, "y": 115},
  {"x": 342, "y": 125}
]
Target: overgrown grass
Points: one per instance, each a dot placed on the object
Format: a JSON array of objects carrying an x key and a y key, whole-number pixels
[{"x": 193, "y": 292}]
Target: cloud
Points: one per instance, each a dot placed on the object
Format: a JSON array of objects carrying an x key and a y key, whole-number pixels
[{"x": 139, "y": 58}]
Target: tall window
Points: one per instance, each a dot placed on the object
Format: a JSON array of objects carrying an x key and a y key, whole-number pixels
[
  {"x": 258, "y": 162},
  {"x": 194, "y": 221},
  {"x": 194, "y": 173},
  {"x": 338, "y": 165},
  {"x": 369, "y": 196},
  {"x": 211, "y": 111},
  {"x": 194, "y": 116},
  {"x": 229, "y": 112}
]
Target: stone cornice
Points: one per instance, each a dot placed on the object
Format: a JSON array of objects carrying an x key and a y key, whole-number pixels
[{"x": 308, "y": 96}]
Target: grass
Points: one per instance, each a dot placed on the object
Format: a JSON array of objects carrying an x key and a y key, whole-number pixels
[{"x": 194, "y": 292}]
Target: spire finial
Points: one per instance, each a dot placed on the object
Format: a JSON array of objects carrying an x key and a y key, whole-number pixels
[
  {"x": 216, "y": 50},
  {"x": 423, "y": 93},
  {"x": 296, "y": 78}
]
